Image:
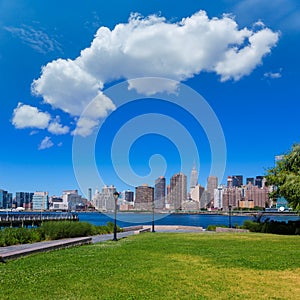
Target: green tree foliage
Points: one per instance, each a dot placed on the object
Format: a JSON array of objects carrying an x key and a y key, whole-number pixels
[{"x": 285, "y": 176}]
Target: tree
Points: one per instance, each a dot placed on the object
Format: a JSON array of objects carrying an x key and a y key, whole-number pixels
[{"x": 285, "y": 176}]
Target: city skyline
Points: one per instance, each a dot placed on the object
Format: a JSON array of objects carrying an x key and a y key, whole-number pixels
[
  {"x": 163, "y": 196},
  {"x": 241, "y": 58}
]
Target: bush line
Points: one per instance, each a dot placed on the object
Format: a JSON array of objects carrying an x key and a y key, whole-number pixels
[{"x": 52, "y": 230}]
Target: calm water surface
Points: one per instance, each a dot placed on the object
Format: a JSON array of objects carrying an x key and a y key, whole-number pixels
[{"x": 129, "y": 219}]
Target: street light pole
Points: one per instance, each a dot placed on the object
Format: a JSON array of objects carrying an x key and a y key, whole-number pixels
[
  {"x": 153, "y": 230},
  {"x": 116, "y": 196},
  {"x": 229, "y": 215}
]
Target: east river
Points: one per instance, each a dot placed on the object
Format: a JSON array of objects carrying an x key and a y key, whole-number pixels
[{"x": 201, "y": 220}]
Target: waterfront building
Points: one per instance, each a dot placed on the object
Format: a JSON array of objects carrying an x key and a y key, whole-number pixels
[
  {"x": 229, "y": 181},
  {"x": 250, "y": 179},
  {"x": 282, "y": 202},
  {"x": 90, "y": 194},
  {"x": 193, "y": 178},
  {"x": 212, "y": 184},
  {"x": 160, "y": 192},
  {"x": 5, "y": 199},
  {"x": 197, "y": 193},
  {"x": 144, "y": 197},
  {"x": 105, "y": 200},
  {"x": 178, "y": 190},
  {"x": 168, "y": 205},
  {"x": 259, "y": 196},
  {"x": 72, "y": 198},
  {"x": 128, "y": 196},
  {"x": 231, "y": 197},
  {"x": 23, "y": 199},
  {"x": 190, "y": 206},
  {"x": 205, "y": 201},
  {"x": 40, "y": 201},
  {"x": 259, "y": 181},
  {"x": 237, "y": 180},
  {"x": 58, "y": 203},
  {"x": 218, "y": 197},
  {"x": 126, "y": 200}
]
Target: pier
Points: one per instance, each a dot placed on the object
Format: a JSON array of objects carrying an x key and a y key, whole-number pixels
[{"x": 25, "y": 219}]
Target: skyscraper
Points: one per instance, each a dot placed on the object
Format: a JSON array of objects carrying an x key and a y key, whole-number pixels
[
  {"x": 144, "y": 197},
  {"x": 258, "y": 181},
  {"x": 5, "y": 199},
  {"x": 237, "y": 180},
  {"x": 212, "y": 184},
  {"x": 194, "y": 178},
  {"x": 40, "y": 201},
  {"x": 24, "y": 199},
  {"x": 160, "y": 192},
  {"x": 250, "y": 179},
  {"x": 105, "y": 200},
  {"x": 178, "y": 190}
]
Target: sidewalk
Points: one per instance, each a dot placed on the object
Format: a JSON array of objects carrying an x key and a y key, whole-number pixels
[{"x": 16, "y": 251}]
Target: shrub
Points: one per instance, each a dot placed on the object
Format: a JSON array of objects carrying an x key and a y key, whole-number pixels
[
  {"x": 211, "y": 228},
  {"x": 66, "y": 229},
  {"x": 276, "y": 227},
  {"x": 252, "y": 226}
]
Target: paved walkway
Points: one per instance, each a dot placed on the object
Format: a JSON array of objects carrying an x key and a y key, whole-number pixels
[{"x": 15, "y": 251}]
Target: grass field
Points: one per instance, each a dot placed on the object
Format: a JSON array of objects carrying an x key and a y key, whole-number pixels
[{"x": 162, "y": 266}]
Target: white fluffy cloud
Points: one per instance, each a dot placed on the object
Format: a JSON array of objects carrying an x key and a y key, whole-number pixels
[
  {"x": 26, "y": 116},
  {"x": 46, "y": 143},
  {"x": 56, "y": 128},
  {"x": 154, "y": 47},
  {"x": 150, "y": 47},
  {"x": 85, "y": 126}
]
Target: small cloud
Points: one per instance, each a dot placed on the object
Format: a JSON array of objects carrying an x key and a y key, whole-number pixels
[
  {"x": 46, "y": 143},
  {"x": 85, "y": 127},
  {"x": 59, "y": 144},
  {"x": 56, "y": 128},
  {"x": 34, "y": 38},
  {"x": 33, "y": 132},
  {"x": 273, "y": 75},
  {"x": 26, "y": 116}
]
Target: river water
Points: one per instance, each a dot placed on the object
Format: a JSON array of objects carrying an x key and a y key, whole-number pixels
[{"x": 203, "y": 220}]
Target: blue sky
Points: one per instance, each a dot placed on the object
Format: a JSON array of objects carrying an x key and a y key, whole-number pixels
[{"x": 56, "y": 57}]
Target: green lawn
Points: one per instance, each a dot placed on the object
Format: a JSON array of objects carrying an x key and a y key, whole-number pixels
[{"x": 162, "y": 266}]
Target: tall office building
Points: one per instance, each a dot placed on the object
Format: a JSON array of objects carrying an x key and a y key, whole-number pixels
[
  {"x": 105, "y": 200},
  {"x": 259, "y": 181},
  {"x": 160, "y": 192},
  {"x": 40, "y": 201},
  {"x": 218, "y": 197},
  {"x": 178, "y": 190},
  {"x": 90, "y": 194},
  {"x": 128, "y": 196},
  {"x": 237, "y": 180},
  {"x": 197, "y": 193},
  {"x": 23, "y": 199},
  {"x": 257, "y": 196},
  {"x": 231, "y": 197},
  {"x": 212, "y": 184},
  {"x": 144, "y": 197},
  {"x": 193, "y": 178},
  {"x": 72, "y": 198},
  {"x": 58, "y": 203},
  {"x": 250, "y": 179},
  {"x": 229, "y": 181},
  {"x": 5, "y": 199}
]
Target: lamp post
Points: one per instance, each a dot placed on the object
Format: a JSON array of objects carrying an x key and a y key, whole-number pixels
[
  {"x": 116, "y": 196},
  {"x": 153, "y": 206},
  {"x": 229, "y": 216}
]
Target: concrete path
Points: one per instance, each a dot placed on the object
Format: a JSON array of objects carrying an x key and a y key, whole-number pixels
[{"x": 13, "y": 252}]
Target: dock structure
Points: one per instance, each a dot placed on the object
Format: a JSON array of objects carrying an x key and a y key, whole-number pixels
[{"x": 33, "y": 219}]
